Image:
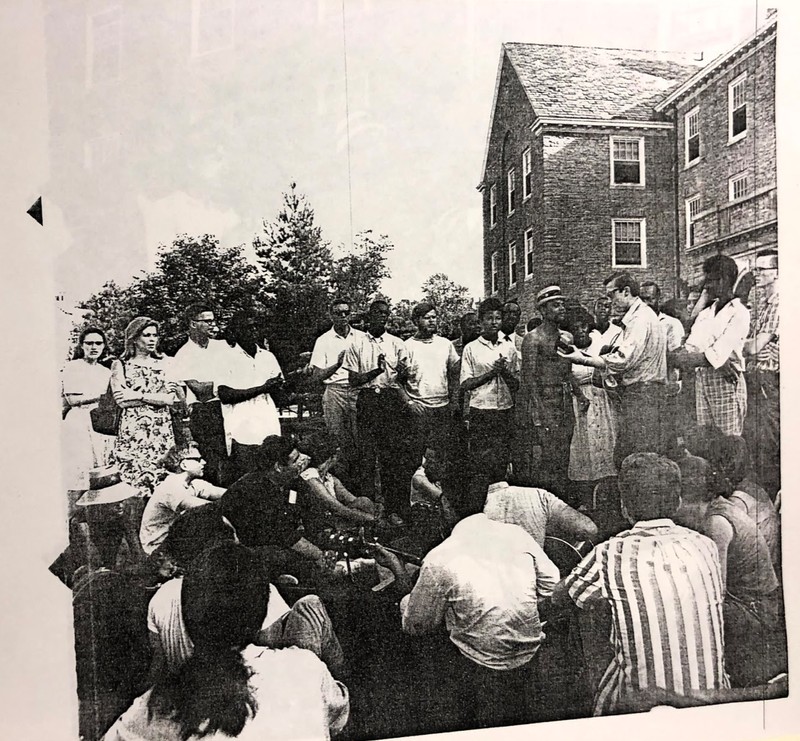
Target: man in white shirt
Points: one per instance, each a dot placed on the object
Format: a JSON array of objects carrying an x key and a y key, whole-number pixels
[
  {"x": 199, "y": 364},
  {"x": 248, "y": 410},
  {"x": 511, "y": 328},
  {"x": 339, "y": 398},
  {"x": 431, "y": 388},
  {"x": 181, "y": 490},
  {"x": 483, "y": 583},
  {"x": 377, "y": 364},
  {"x": 673, "y": 329},
  {"x": 715, "y": 348}
]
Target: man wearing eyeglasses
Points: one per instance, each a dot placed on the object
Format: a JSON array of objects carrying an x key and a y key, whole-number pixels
[
  {"x": 639, "y": 358},
  {"x": 200, "y": 363},
  {"x": 762, "y": 425},
  {"x": 339, "y": 398}
]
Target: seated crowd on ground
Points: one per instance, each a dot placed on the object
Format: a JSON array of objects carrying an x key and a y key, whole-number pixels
[{"x": 624, "y": 438}]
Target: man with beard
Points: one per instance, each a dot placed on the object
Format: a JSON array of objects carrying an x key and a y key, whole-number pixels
[{"x": 544, "y": 407}]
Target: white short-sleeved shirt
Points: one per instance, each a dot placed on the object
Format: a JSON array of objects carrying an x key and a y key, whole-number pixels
[
  {"x": 478, "y": 358},
  {"x": 722, "y": 335},
  {"x": 362, "y": 356},
  {"x": 430, "y": 362},
  {"x": 249, "y": 422},
  {"x": 673, "y": 331},
  {"x": 326, "y": 353},
  {"x": 165, "y": 619},
  {"x": 165, "y": 505},
  {"x": 203, "y": 364}
]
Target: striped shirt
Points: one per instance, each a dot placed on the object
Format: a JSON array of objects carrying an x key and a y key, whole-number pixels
[
  {"x": 664, "y": 585},
  {"x": 765, "y": 320}
]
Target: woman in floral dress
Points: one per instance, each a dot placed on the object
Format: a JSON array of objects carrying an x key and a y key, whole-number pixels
[{"x": 143, "y": 389}]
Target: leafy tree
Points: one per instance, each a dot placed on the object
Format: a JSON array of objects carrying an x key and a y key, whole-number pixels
[
  {"x": 450, "y": 299},
  {"x": 359, "y": 274}
]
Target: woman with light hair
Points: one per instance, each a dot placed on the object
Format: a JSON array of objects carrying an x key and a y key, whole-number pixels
[{"x": 143, "y": 389}]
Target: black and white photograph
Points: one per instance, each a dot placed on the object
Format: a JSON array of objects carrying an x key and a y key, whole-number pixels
[{"x": 392, "y": 368}]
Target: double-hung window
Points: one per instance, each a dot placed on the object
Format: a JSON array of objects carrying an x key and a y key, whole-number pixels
[
  {"x": 692, "y": 135},
  {"x": 627, "y": 161},
  {"x": 737, "y": 108},
  {"x": 628, "y": 244}
]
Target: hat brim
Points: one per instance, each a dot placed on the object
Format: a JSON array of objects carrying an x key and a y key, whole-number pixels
[
  {"x": 548, "y": 299},
  {"x": 108, "y": 495}
]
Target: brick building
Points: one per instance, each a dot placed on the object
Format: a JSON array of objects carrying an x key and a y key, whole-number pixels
[
  {"x": 585, "y": 169},
  {"x": 726, "y": 155}
]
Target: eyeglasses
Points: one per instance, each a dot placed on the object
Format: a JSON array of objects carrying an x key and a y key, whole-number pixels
[
  {"x": 205, "y": 321},
  {"x": 762, "y": 270},
  {"x": 193, "y": 458}
]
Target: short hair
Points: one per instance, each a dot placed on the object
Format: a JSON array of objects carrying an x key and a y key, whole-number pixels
[
  {"x": 623, "y": 280},
  {"x": 320, "y": 446},
  {"x": 650, "y": 486},
  {"x": 487, "y": 305},
  {"x": 274, "y": 449},
  {"x": 176, "y": 454},
  {"x": 338, "y": 300},
  {"x": 653, "y": 284},
  {"x": 192, "y": 310},
  {"x": 195, "y": 530},
  {"x": 729, "y": 459},
  {"x": 579, "y": 315},
  {"x": 512, "y": 302},
  {"x": 769, "y": 252},
  {"x": 721, "y": 266},
  {"x": 378, "y": 302},
  {"x": 694, "y": 479},
  {"x": 534, "y": 322},
  {"x": 420, "y": 310},
  {"x": 464, "y": 318}
]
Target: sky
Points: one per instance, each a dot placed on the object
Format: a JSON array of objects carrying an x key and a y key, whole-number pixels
[{"x": 394, "y": 145}]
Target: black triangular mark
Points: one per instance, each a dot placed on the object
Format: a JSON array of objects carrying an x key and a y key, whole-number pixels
[{"x": 36, "y": 211}]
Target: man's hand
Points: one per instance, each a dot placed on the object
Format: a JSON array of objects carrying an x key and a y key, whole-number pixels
[
  {"x": 272, "y": 384},
  {"x": 583, "y": 402},
  {"x": 381, "y": 362},
  {"x": 416, "y": 408},
  {"x": 340, "y": 359},
  {"x": 574, "y": 356},
  {"x": 728, "y": 372}
]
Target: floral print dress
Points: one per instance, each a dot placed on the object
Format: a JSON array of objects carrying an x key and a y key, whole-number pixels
[{"x": 145, "y": 432}]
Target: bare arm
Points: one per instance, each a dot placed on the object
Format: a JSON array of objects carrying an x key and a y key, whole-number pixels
[
  {"x": 203, "y": 390},
  {"x": 323, "y": 374},
  {"x": 758, "y": 343},
  {"x": 228, "y": 395},
  {"x": 573, "y": 524},
  {"x": 721, "y": 532}
]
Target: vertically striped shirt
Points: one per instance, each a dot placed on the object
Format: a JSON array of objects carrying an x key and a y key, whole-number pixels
[
  {"x": 664, "y": 585},
  {"x": 765, "y": 320}
]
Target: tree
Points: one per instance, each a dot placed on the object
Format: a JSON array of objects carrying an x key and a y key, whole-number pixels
[
  {"x": 450, "y": 299},
  {"x": 359, "y": 274}
]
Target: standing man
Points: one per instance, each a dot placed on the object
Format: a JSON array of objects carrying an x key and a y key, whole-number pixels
[
  {"x": 339, "y": 398},
  {"x": 639, "y": 358},
  {"x": 673, "y": 329},
  {"x": 762, "y": 425},
  {"x": 431, "y": 384},
  {"x": 664, "y": 585},
  {"x": 490, "y": 373},
  {"x": 545, "y": 412},
  {"x": 376, "y": 363},
  {"x": 512, "y": 314},
  {"x": 470, "y": 327},
  {"x": 715, "y": 348},
  {"x": 200, "y": 363}
]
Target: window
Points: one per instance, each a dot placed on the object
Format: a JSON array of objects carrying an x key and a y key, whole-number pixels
[
  {"x": 529, "y": 252},
  {"x": 692, "y": 135},
  {"x": 738, "y": 186},
  {"x": 692, "y": 209},
  {"x": 527, "y": 174},
  {"x": 212, "y": 25},
  {"x": 495, "y": 276},
  {"x": 493, "y": 205},
  {"x": 628, "y": 243},
  {"x": 737, "y": 108},
  {"x": 512, "y": 191},
  {"x": 103, "y": 46},
  {"x": 512, "y": 263},
  {"x": 627, "y": 161}
]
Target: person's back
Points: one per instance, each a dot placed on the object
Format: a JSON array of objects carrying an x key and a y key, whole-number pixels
[{"x": 755, "y": 501}]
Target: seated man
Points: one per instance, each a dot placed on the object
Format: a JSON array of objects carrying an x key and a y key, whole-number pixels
[
  {"x": 262, "y": 507},
  {"x": 484, "y": 583},
  {"x": 653, "y": 576},
  {"x": 536, "y": 511},
  {"x": 426, "y": 483},
  {"x": 182, "y": 489},
  {"x": 305, "y": 625}
]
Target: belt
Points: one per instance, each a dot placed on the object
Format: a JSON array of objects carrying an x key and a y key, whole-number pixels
[{"x": 643, "y": 384}]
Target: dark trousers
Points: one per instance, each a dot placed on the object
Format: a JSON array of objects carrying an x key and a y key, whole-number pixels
[
  {"x": 243, "y": 460},
  {"x": 208, "y": 431},
  {"x": 432, "y": 429},
  {"x": 762, "y": 427},
  {"x": 490, "y": 436},
  {"x": 642, "y": 426},
  {"x": 384, "y": 432}
]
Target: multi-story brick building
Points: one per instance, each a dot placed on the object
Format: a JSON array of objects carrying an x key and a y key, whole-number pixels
[
  {"x": 726, "y": 155},
  {"x": 585, "y": 168}
]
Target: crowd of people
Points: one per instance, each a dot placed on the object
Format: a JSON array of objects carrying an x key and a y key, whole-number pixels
[{"x": 645, "y": 435}]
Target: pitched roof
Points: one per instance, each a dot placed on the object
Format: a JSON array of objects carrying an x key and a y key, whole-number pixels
[{"x": 591, "y": 82}]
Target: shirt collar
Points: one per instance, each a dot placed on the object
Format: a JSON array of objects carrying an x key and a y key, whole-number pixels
[
  {"x": 373, "y": 338},
  {"x": 486, "y": 342},
  {"x": 632, "y": 309},
  {"x": 497, "y": 486},
  {"x": 649, "y": 524}
]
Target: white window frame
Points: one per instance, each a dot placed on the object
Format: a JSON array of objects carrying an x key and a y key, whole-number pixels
[
  {"x": 527, "y": 174},
  {"x": 197, "y": 10},
  {"x": 693, "y": 115},
  {"x": 642, "y": 240},
  {"x": 528, "y": 253},
  {"x": 112, "y": 30},
  {"x": 511, "y": 190},
  {"x": 513, "y": 264},
  {"x": 732, "y": 85},
  {"x": 742, "y": 177},
  {"x": 494, "y": 274},
  {"x": 689, "y": 205},
  {"x": 493, "y": 206},
  {"x": 642, "y": 177}
]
